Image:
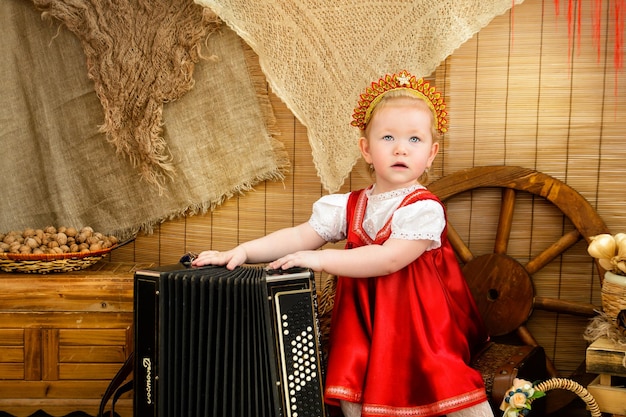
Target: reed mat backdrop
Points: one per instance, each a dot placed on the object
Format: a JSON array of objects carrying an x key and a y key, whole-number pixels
[{"x": 520, "y": 92}]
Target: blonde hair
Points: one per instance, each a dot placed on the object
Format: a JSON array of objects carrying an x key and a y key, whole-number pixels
[{"x": 402, "y": 94}]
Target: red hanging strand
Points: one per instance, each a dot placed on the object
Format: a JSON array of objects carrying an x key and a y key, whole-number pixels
[
  {"x": 618, "y": 12},
  {"x": 579, "y": 25},
  {"x": 570, "y": 36},
  {"x": 556, "y": 7},
  {"x": 618, "y": 52},
  {"x": 596, "y": 23}
]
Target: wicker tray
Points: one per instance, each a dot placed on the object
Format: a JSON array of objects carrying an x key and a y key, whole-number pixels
[{"x": 46, "y": 263}]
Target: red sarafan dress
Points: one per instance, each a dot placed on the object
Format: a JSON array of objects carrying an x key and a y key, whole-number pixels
[{"x": 401, "y": 344}]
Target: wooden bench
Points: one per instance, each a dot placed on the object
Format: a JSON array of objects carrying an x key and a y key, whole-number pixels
[{"x": 63, "y": 336}]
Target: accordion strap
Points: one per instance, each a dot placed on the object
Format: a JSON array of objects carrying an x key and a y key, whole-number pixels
[{"x": 117, "y": 387}]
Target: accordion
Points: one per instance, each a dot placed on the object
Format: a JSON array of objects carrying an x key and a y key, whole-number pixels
[{"x": 213, "y": 342}]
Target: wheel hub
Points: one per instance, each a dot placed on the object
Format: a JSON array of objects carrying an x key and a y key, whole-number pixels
[{"x": 503, "y": 291}]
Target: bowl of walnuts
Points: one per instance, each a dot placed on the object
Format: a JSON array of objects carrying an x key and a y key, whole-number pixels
[{"x": 53, "y": 249}]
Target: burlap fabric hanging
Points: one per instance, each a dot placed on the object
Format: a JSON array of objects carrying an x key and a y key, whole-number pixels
[
  {"x": 58, "y": 169},
  {"x": 319, "y": 55},
  {"x": 140, "y": 54}
]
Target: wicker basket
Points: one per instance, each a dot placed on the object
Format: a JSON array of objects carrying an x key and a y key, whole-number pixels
[
  {"x": 576, "y": 388},
  {"x": 46, "y": 263},
  {"x": 613, "y": 295}
]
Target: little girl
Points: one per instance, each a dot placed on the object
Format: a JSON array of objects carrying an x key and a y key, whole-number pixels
[{"x": 404, "y": 322}]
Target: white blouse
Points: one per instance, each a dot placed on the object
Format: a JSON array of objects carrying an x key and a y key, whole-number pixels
[{"x": 420, "y": 220}]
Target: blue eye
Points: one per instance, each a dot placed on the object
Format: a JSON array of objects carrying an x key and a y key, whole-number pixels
[
  {"x": 414, "y": 139},
  {"x": 388, "y": 137}
]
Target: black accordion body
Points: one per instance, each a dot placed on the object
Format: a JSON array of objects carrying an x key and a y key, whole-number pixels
[{"x": 214, "y": 342}]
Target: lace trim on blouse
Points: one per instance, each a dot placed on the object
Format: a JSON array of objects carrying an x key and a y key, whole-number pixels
[
  {"x": 329, "y": 217},
  {"x": 401, "y": 192}
]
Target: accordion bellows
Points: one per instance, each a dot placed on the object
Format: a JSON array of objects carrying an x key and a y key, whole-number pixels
[{"x": 214, "y": 342}]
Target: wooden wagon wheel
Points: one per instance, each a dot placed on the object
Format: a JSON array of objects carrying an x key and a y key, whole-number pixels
[{"x": 502, "y": 286}]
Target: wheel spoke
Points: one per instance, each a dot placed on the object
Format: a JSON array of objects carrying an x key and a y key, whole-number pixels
[
  {"x": 459, "y": 246},
  {"x": 526, "y": 337},
  {"x": 505, "y": 222},
  {"x": 562, "y": 306},
  {"x": 554, "y": 250}
]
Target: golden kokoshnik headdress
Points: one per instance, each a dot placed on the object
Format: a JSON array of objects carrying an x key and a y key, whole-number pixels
[{"x": 401, "y": 81}]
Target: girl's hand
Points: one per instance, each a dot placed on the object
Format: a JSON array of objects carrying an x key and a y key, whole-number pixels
[
  {"x": 231, "y": 258},
  {"x": 304, "y": 259}
]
